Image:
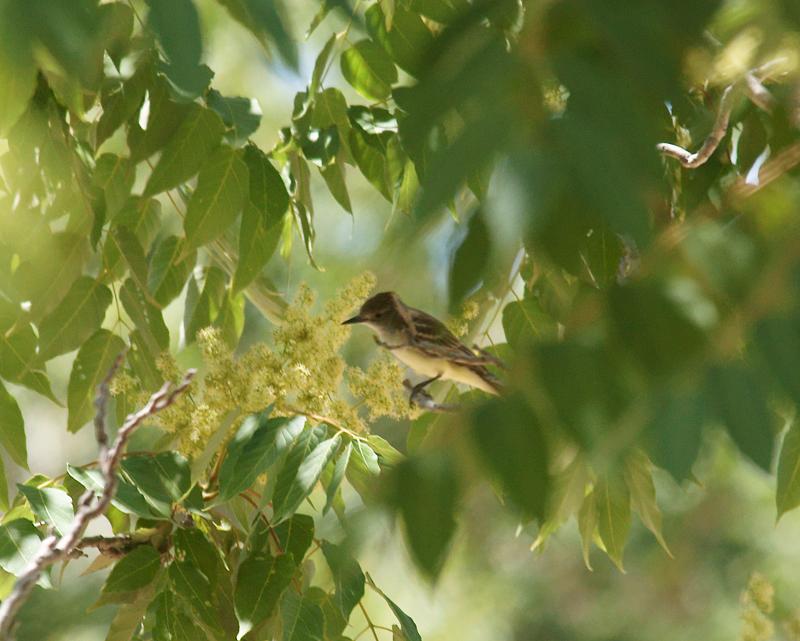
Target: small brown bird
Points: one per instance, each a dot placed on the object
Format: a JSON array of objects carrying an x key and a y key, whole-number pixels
[{"x": 424, "y": 344}]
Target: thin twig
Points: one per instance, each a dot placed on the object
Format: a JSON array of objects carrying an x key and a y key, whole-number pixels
[{"x": 53, "y": 548}]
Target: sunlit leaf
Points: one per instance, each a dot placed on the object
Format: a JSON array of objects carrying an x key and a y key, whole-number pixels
[
  {"x": 12, "y": 429},
  {"x": 127, "y": 498},
  {"x": 337, "y": 477},
  {"x": 241, "y": 115},
  {"x": 163, "y": 479},
  {"x": 402, "y": 34},
  {"x": 263, "y": 18},
  {"x": 613, "y": 505},
  {"x": 368, "y": 68},
  {"x": 260, "y": 582},
  {"x": 170, "y": 266},
  {"x": 19, "y": 542},
  {"x": 639, "y": 479},
  {"x": 787, "y": 494},
  {"x": 51, "y": 505},
  {"x": 135, "y": 570}
]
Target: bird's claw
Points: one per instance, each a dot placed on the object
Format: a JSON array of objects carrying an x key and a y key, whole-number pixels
[{"x": 423, "y": 400}]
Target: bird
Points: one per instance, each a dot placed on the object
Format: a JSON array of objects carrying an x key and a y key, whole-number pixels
[{"x": 424, "y": 344}]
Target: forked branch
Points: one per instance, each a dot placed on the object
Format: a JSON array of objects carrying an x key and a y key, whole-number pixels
[{"x": 53, "y": 548}]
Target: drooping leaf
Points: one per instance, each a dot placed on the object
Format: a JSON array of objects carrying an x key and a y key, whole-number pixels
[
  {"x": 222, "y": 187},
  {"x": 295, "y": 535},
  {"x": 787, "y": 494},
  {"x": 165, "y": 120},
  {"x": 741, "y": 400},
  {"x": 263, "y": 18},
  {"x": 369, "y": 70},
  {"x": 524, "y": 321},
  {"x": 129, "y": 617},
  {"x": 94, "y": 360},
  {"x": 639, "y": 479},
  {"x": 259, "y": 442},
  {"x": 194, "y": 588},
  {"x": 171, "y": 622},
  {"x": 170, "y": 266},
  {"x": 403, "y": 35},
  {"x": 135, "y": 570},
  {"x": 613, "y": 505},
  {"x": 51, "y": 505},
  {"x": 127, "y": 498},
  {"x": 510, "y": 441},
  {"x": 426, "y": 493},
  {"x": 587, "y": 524},
  {"x": 300, "y": 473},
  {"x": 146, "y": 316},
  {"x": 470, "y": 260},
  {"x": 260, "y": 582},
  {"x": 188, "y": 149},
  {"x": 348, "y": 579},
  {"x": 321, "y": 65},
  {"x": 12, "y": 429},
  {"x": 241, "y": 115},
  {"x": 75, "y": 318},
  {"x": 407, "y": 625},
  {"x": 337, "y": 477}
]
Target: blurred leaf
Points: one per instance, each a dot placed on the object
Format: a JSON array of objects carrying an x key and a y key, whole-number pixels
[
  {"x": 295, "y": 535},
  {"x": 426, "y": 494},
  {"x": 163, "y": 479},
  {"x": 301, "y": 618},
  {"x": 91, "y": 366},
  {"x": 741, "y": 401},
  {"x": 613, "y": 516},
  {"x": 587, "y": 524},
  {"x": 403, "y": 35},
  {"x": 177, "y": 26},
  {"x": 187, "y": 151},
  {"x": 12, "y": 429},
  {"x": 259, "y": 442},
  {"x": 75, "y": 318},
  {"x": 369, "y": 70},
  {"x": 218, "y": 198},
  {"x": 263, "y": 18},
  {"x": 114, "y": 176},
  {"x": 51, "y": 505},
  {"x": 778, "y": 340},
  {"x": 510, "y": 441},
  {"x": 135, "y": 570},
  {"x": 524, "y": 322},
  {"x": 639, "y": 479},
  {"x": 259, "y": 584},
  {"x": 170, "y": 266},
  {"x": 470, "y": 260},
  {"x": 674, "y": 431},
  {"x": 348, "y": 579},
  {"x": 787, "y": 494},
  {"x": 443, "y": 11},
  {"x": 242, "y": 115},
  {"x": 388, "y": 455},
  {"x": 127, "y": 497},
  {"x": 129, "y": 617},
  {"x": 200, "y": 313},
  {"x": 321, "y": 65},
  {"x": 300, "y": 472},
  {"x": 128, "y": 247},
  {"x": 338, "y": 476},
  {"x": 17, "y": 84},
  {"x": 4, "y": 504},
  {"x": 121, "y": 103},
  {"x": 19, "y": 542}
]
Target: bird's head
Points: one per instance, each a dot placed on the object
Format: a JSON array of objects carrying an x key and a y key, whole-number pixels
[{"x": 380, "y": 311}]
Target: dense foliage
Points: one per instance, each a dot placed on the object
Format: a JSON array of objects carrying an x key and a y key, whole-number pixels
[{"x": 640, "y": 296}]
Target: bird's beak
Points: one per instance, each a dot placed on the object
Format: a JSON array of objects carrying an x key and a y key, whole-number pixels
[{"x": 351, "y": 321}]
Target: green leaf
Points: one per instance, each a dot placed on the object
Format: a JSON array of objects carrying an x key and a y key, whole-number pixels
[
  {"x": 145, "y": 316},
  {"x": 787, "y": 494},
  {"x": 338, "y": 476},
  {"x": 267, "y": 190},
  {"x": 778, "y": 341},
  {"x": 12, "y": 429},
  {"x": 127, "y": 498},
  {"x": 200, "y": 313},
  {"x": 443, "y": 11},
  {"x": 198, "y": 135},
  {"x": 295, "y": 535},
  {"x": 371, "y": 160},
  {"x": 163, "y": 479},
  {"x": 259, "y": 584},
  {"x": 302, "y": 619},
  {"x": 94, "y": 360},
  {"x": 121, "y": 103},
  {"x": 426, "y": 493},
  {"x": 129, "y": 617},
  {"x": 127, "y": 245},
  {"x": 509, "y": 439},
  {"x": 170, "y": 266},
  {"x": 257, "y": 244},
  {"x": 406, "y": 38},
  {"x": 300, "y": 473},
  {"x": 259, "y": 442},
  {"x": 19, "y": 543},
  {"x": 263, "y": 18},
  {"x": 166, "y": 120},
  {"x": 470, "y": 261},
  {"x": 4, "y": 505},
  {"x": 369, "y": 70},
  {"x": 177, "y": 26},
  {"x": 407, "y": 624},
  {"x": 134, "y": 571},
  {"x": 241, "y": 115},
  {"x": 51, "y": 505},
  {"x": 741, "y": 400},
  {"x": 74, "y": 319},
  {"x": 674, "y": 431},
  {"x": 171, "y": 623},
  {"x": 320, "y": 65},
  {"x": 198, "y": 551},
  {"x": 613, "y": 516},
  {"x": 333, "y": 175},
  {"x": 17, "y": 84},
  {"x": 222, "y": 187},
  {"x": 639, "y": 479},
  {"x": 195, "y": 589},
  {"x": 348, "y": 579},
  {"x": 524, "y": 321},
  {"x": 587, "y": 524},
  {"x": 114, "y": 177},
  {"x": 363, "y": 468}
]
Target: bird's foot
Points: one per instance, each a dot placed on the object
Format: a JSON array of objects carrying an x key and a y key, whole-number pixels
[{"x": 423, "y": 400}]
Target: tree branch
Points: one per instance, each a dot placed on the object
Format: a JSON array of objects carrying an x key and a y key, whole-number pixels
[{"x": 54, "y": 549}]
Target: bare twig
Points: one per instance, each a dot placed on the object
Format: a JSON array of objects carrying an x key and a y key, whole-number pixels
[
  {"x": 53, "y": 548},
  {"x": 759, "y": 95}
]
